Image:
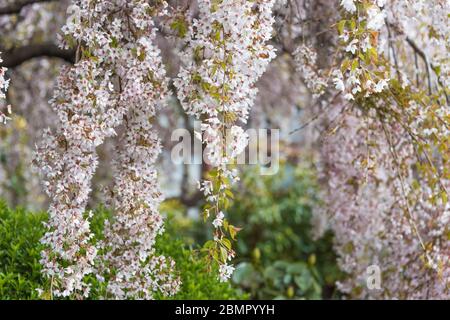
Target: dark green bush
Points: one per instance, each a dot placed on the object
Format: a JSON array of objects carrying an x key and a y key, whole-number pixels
[
  {"x": 20, "y": 253},
  {"x": 20, "y": 232}
]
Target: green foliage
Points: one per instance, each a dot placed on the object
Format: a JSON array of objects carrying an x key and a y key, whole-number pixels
[
  {"x": 20, "y": 253},
  {"x": 278, "y": 256}
]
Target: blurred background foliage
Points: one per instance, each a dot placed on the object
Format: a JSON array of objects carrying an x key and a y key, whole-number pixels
[{"x": 278, "y": 255}]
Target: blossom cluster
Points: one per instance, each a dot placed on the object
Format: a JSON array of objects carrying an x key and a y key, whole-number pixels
[
  {"x": 306, "y": 59},
  {"x": 4, "y": 83},
  {"x": 374, "y": 222},
  {"x": 226, "y": 53},
  {"x": 385, "y": 165},
  {"x": 384, "y": 159},
  {"x": 427, "y": 24},
  {"x": 118, "y": 76},
  {"x": 359, "y": 35},
  {"x": 135, "y": 270}
]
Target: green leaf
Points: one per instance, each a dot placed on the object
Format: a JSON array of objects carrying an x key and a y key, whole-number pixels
[
  {"x": 304, "y": 281},
  {"x": 226, "y": 243}
]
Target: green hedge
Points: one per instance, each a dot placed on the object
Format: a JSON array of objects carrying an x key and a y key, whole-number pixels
[{"x": 20, "y": 253}]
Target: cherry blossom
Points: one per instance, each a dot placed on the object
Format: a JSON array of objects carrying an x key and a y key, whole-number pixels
[
  {"x": 226, "y": 53},
  {"x": 384, "y": 167},
  {"x": 4, "y": 83},
  {"x": 306, "y": 59},
  {"x": 119, "y": 75}
]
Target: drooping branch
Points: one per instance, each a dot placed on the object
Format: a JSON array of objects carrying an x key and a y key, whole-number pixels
[
  {"x": 422, "y": 54},
  {"x": 17, "y": 56},
  {"x": 428, "y": 65},
  {"x": 16, "y": 6}
]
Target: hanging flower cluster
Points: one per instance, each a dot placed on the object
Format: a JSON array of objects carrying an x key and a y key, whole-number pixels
[
  {"x": 4, "y": 83},
  {"x": 118, "y": 76},
  {"x": 226, "y": 53},
  {"x": 374, "y": 222},
  {"x": 385, "y": 164},
  {"x": 305, "y": 62},
  {"x": 135, "y": 271},
  {"x": 370, "y": 83},
  {"x": 426, "y": 24},
  {"x": 358, "y": 33},
  {"x": 67, "y": 162}
]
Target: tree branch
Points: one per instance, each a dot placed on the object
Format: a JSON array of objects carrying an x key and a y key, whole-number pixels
[
  {"x": 17, "y": 56},
  {"x": 424, "y": 58},
  {"x": 16, "y": 7},
  {"x": 428, "y": 65}
]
